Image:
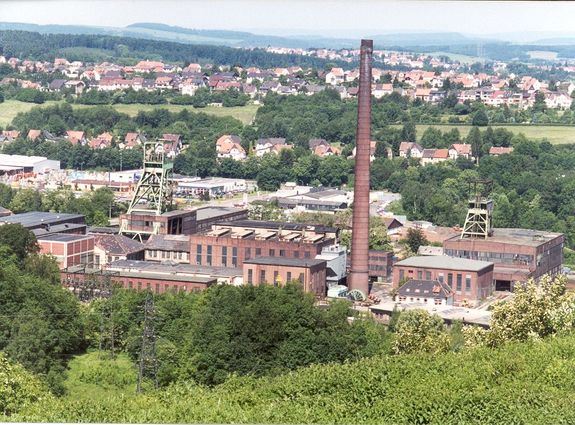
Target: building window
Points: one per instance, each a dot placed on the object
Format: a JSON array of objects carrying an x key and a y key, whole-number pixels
[
  {"x": 468, "y": 283},
  {"x": 276, "y": 274},
  {"x": 459, "y": 280},
  {"x": 450, "y": 280},
  {"x": 209, "y": 256},
  {"x": 300, "y": 278},
  {"x": 157, "y": 288},
  {"x": 427, "y": 275},
  {"x": 437, "y": 301},
  {"x": 440, "y": 277},
  {"x": 234, "y": 256},
  {"x": 262, "y": 276},
  {"x": 282, "y": 252},
  {"x": 288, "y": 276},
  {"x": 296, "y": 254},
  {"x": 139, "y": 286},
  {"x": 258, "y": 252},
  {"x": 420, "y": 274},
  {"x": 247, "y": 253},
  {"x": 224, "y": 256},
  {"x": 130, "y": 285},
  {"x": 148, "y": 286},
  {"x": 199, "y": 254},
  {"x": 250, "y": 276},
  {"x": 272, "y": 252},
  {"x": 307, "y": 254},
  {"x": 401, "y": 274}
]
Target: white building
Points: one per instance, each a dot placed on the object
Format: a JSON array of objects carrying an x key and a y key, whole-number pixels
[{"x": 14, "y": 164}]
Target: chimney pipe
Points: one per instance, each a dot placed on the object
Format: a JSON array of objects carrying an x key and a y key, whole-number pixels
[{"x": 359, "y": 274}]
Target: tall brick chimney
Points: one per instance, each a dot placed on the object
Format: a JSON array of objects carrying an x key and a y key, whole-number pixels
[{"x": 359, "y": 274}]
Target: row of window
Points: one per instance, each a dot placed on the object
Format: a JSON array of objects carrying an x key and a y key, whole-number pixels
[
  {"x": 440, "y": 278},
  {"x": 175, "y": 255},
  {"x": 436, "y": 301},
  {"x": 158, "y": 287},
  {"x": 494, "y": 257},
  {"x": 263, "y": 279},
  {"x": 234, "y": 260}
]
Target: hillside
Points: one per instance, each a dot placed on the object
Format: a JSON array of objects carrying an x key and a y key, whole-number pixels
[
  {"x": 33, "y": 45},
  {"x": 520, "y": 383}
]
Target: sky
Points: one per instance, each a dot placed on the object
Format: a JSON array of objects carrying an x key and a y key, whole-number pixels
[{"x": 344, "y": 18}]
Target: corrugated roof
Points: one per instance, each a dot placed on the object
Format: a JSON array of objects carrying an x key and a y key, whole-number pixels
[{"x": 283, "y": 261}]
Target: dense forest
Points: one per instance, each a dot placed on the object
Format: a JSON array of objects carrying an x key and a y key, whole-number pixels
[{"x": 35, "y": 46}]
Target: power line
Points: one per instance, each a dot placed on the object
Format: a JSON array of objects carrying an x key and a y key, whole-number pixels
[{"x": 148, "y": 361}]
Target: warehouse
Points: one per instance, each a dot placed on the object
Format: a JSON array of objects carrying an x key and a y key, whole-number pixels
[{"x": 16, "y": 164}]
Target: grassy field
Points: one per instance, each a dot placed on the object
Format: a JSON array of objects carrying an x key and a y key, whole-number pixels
[
  {"x": 554, "y": 134},
  {"x": 10, "y": 108},
  {"x": 95, "y": 376}
]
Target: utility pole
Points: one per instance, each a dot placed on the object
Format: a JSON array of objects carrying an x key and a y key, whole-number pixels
[{"x": 148, "y": 361}]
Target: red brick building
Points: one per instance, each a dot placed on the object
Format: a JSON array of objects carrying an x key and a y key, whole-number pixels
[
  {"x": 177, "y": 222},
  {"x": 278, "y": 271},
  {"x": 470, "y": 280},
  {"x": 69, "y": 250},
  {"x": 518, "y": 254},
  {"x": 230, "y": 244},
  {"x": 380, "y": 264}
]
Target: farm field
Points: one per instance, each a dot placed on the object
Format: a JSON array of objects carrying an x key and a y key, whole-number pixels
[
  {"x": 10, "y": 108},
  {"x": 554, "y": 134}
]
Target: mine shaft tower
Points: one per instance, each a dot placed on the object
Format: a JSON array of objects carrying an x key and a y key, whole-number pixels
[
  {"x": 153, "y": 194},
  {"x": 479, "y": 222}
]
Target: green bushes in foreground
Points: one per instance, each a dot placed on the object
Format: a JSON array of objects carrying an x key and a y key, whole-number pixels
[{"x": 532, "y": 382}]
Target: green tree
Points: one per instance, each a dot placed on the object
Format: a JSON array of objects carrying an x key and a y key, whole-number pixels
[
  {"x": 26, "y": 200},
  {"x": 414, "y": 239},
  {"x": 418, "y": 331},
  {"x": 480, "y": 119},
  {"x": 408, "y": 132},
  {"x": 19, "y": 240}
]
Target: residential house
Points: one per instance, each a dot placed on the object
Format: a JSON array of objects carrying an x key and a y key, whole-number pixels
[
  {"x": 77, "y": 85},
  {"x": 132, "y": 140},
  {"x": 229, "y": 146},
  {"x": 321, "y": 147},
  {"x": 457, "y": 150},
  {"x": 410, "y": 150},
  {"x": 429, "y": 292},
  {"x": 33, "y": 134},
  {"x": 267, "y": 145},
  {"x": 172, "y": 144},
  {"x": 335, "y": 77},
  {"x": 372, "y": 150},
  {"x": 9, "y": 135},
  {"x": 56, "y": 85},
  {"x": 101, "y": 141},
  {"x": 392, "y": 225},
  {"x": 76, "y": 137}
]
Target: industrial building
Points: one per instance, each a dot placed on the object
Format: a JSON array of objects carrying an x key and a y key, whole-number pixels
[
  {"x": 278, "y": 271},
  {"x": 207, "y": 216},
  {"x": 15, "y": 164},
  {"x": 231, "y": 243},
  {"x": 69, "y": 250},
  {"x": 113, "y": 247},
  {"x": 518, "y": 254},
  {"x": 47, "y": 223},
  {"x": 469, "y": 280}
]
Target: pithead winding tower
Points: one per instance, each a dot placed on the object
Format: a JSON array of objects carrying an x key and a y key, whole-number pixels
[{"x": 359, "y": 274}]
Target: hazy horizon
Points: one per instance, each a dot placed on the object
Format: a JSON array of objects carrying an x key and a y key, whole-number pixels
[{"x": 518, "y": 21}]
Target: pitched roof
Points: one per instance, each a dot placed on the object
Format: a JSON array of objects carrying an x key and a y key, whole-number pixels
[
  {"x": 117, "y": 244},
  {"x": 34, "y": 134},
  {"x": 169, "y": 243},
  {"x": 425, "y": 288},
  {"x": 441, "y": 153},
  {"x": 461, "y": 148}
]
